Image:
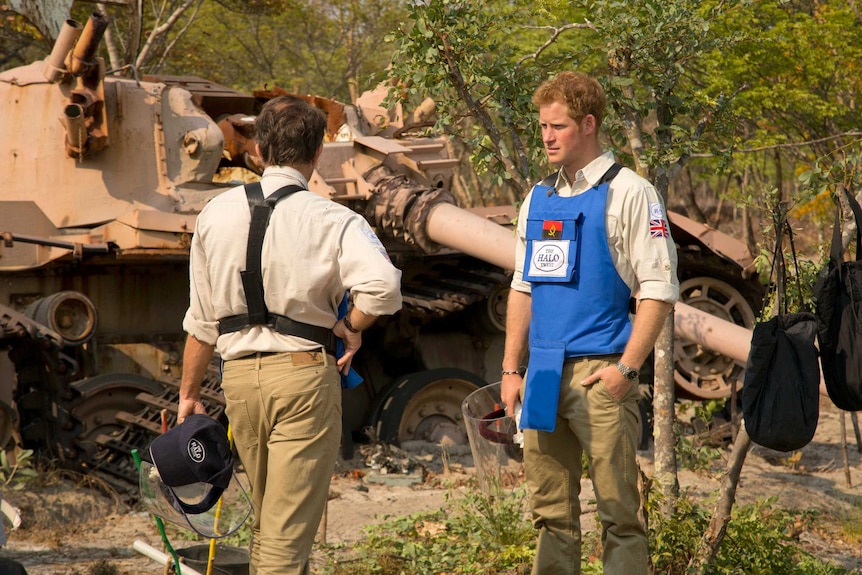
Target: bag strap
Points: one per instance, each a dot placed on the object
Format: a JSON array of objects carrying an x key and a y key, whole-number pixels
[
  {"x": 779, "y": 266},
  {"x": 835, "y": 253},
  {"x": 789, "y": 231}
]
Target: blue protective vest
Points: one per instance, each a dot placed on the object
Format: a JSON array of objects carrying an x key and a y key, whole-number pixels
[{"x": 580, "y": 304}]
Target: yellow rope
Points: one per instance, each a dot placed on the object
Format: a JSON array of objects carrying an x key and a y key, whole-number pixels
[{"x": 212, "y": 550}]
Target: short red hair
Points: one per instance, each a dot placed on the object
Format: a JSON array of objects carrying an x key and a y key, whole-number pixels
[{"x": 580, "y": 93}]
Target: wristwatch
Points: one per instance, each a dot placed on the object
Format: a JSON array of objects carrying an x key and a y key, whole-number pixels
[{"x": 629, "y": 373}]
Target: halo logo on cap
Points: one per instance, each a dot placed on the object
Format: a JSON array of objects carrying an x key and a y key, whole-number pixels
[{"x": 196, "y": 450}]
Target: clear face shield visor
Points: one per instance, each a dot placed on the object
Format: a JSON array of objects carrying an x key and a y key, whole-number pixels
[{"x": 223, "y": 517}]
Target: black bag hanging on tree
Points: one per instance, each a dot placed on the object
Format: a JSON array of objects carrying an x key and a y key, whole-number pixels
[
  {"x": 838, "y": 297},
  {"x": 780, "y": 395}
]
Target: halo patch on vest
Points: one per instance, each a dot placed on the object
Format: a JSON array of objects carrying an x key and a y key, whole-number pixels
[{"x": 550, "y": 258}]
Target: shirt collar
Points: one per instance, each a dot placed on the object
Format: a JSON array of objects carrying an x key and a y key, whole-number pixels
[
  {"x": 590, "y": 174},
  {"x": 291, "y": 174}
]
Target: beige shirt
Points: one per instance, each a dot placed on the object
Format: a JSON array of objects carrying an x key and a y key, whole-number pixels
[
  {"x": 314, "y": 250},
  {"x": 646, "y": 264}
]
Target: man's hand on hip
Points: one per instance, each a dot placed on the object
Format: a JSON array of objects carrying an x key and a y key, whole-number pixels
[
  {"x": 616, "y": 384},
  {"x": 352, "y": 343}
]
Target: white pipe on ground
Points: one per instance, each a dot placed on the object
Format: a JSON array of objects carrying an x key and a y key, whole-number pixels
[{"x": 158, "y": 556}]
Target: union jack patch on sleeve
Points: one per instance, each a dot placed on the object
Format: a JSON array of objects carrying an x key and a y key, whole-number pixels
[{"x": 658, "y": 228}]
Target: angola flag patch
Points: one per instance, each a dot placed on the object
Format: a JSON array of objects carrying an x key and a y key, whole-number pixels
[{"x": 552, "y": 229}]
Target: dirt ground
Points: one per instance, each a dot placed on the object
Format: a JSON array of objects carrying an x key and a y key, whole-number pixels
[{"x": 70, "y": 528}]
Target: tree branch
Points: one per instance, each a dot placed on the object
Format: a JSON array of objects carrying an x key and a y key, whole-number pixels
[
  {"x": 177, "y": 37},
  {"x": 159, "y": 31},
  {"x": 478, "y": 112},
  {"x": 552, "y": 39},
  {"x": 717, "y": 529},
  {"x": 850, "y": 134}
]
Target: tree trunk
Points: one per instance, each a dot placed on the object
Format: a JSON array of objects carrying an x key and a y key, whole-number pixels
[
  {"x": 692, "y": 210},
  {"x": 664, "y": 416},
  {"x": 699, "y": 564},
  {"x": 664, "y": 408},
  {"x": 748, "y": 235},
  {"x": 748, "y": 231},
  {"x": 110, "y": 43}
]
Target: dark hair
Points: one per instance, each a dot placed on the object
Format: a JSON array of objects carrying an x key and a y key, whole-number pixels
[
  {"x": 580, "y": 93},
  {"x": 289, "y": 131}
]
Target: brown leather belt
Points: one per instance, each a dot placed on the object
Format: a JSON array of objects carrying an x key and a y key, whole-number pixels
[{"x": 296, "y": 357}]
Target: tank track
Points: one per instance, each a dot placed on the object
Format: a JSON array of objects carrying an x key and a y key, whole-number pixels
[
  {"x": 108, "y": 455},
  {"x": 450, "y": 285},
  {"x": 89, "y": 425}
]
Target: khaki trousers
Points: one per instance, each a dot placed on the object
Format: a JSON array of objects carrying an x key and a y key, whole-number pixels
[
  {"x": 591, "y": 421},
  {"x": 285, "y": 415}
]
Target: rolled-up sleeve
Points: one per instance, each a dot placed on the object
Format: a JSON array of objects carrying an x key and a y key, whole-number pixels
[
  {"x": 645, "y": 239},
  {"x": 199, "y": 320},
  {"x": 374, "y": 283}
]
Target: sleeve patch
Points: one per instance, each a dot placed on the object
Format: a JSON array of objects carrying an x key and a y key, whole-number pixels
[
  {"x": 655, "y": 211},
  {"x": 657, "y": 222},
  {"x": 658, "y": 228},
  {"x": 375, "y": 241}
]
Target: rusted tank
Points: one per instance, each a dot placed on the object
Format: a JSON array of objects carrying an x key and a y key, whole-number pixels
[{"x": 103, "y": 178}]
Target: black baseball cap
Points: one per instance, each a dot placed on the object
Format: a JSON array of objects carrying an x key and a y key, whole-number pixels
[{"x": 191, "y": 480}]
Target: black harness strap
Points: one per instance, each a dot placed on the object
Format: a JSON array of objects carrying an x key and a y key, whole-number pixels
[{"x": 252, "y": 278}]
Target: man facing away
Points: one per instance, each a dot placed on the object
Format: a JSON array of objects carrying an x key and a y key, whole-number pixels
[
  {"x": 590, "y": 237},
  {"x": 281, "y": 380}
]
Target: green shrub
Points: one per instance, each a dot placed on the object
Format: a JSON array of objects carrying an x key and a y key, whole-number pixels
[
  {"x": 474, "y": 534},
  {"x": 478, "y": 534},
  {"x": 15, "y": 475},
  {"x": 759, "y": 541}
]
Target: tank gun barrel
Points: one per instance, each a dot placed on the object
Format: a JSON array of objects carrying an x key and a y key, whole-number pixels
[
  {"x": 431, "y": 217},
  {"x": 428, "y": 217},
  {"x": 465, "y": 231}
]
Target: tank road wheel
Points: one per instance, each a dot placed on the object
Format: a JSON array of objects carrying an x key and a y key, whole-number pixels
[
  {"x": 102, "y": 397},
  {"x": 426, "y": 406},
  {"x": 700, "y": 373},
  {"x": 490, "y": 313}
]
